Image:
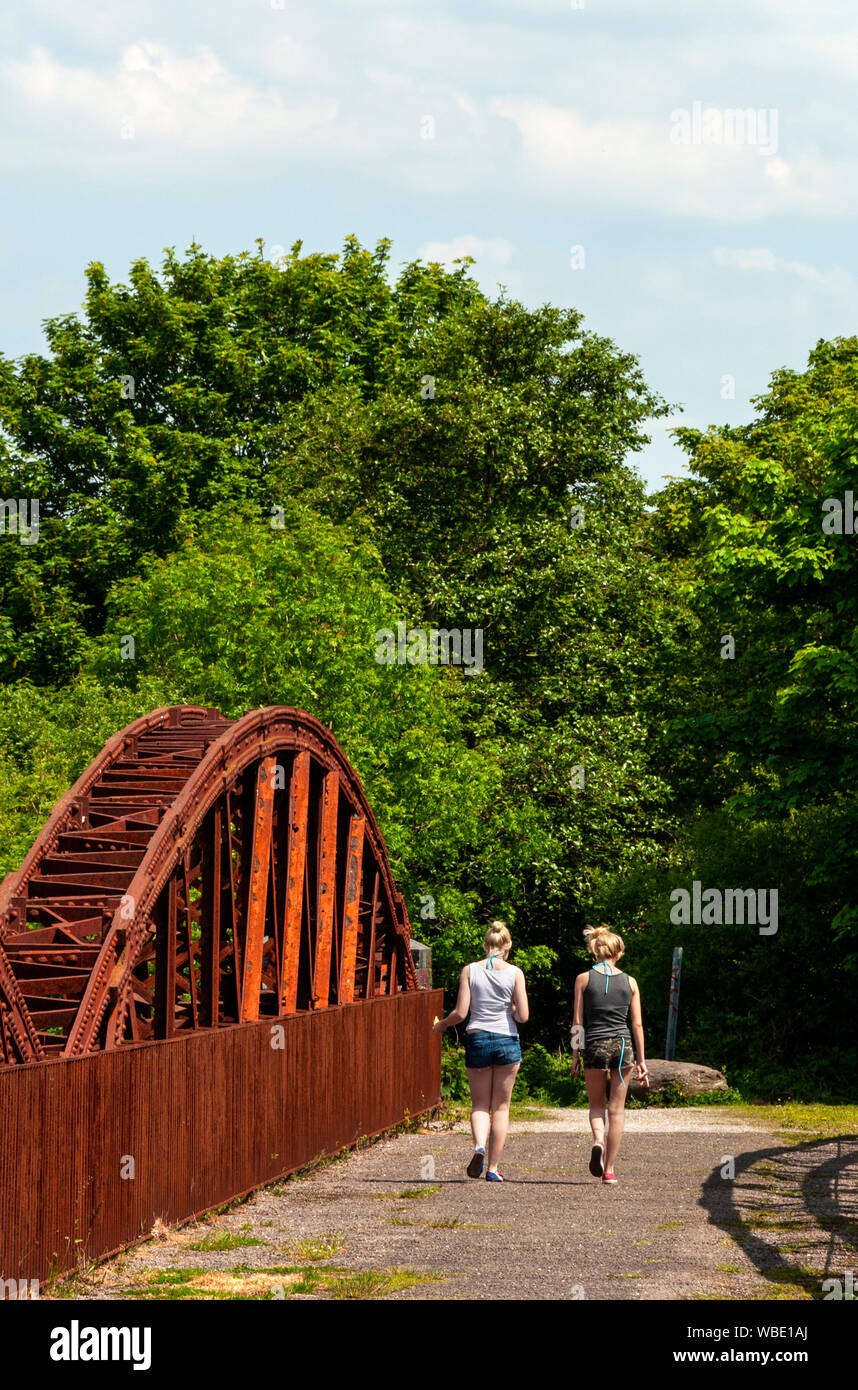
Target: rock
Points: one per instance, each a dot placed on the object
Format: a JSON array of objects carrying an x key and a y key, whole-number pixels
[{"x": 690, "y": 1077}]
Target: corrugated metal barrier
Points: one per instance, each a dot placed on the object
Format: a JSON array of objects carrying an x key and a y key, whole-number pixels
[{"x": 196, "y": 1120}]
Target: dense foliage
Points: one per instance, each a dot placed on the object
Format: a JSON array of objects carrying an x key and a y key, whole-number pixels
[{"x": 246, "y": 469}]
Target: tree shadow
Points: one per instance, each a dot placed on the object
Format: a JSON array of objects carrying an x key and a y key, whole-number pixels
[{"x": 783, "y": 1201}]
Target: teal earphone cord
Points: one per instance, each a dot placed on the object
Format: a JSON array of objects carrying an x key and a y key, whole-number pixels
[{"x": 607, "y": 976}]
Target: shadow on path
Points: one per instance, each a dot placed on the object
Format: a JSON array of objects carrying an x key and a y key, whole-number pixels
[{"x": 793, "y": 1209}]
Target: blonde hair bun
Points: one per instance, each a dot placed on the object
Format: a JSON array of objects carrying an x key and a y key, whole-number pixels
[
  {"x": 497, "y": 938},
  {"x": 603, "y": 943}
]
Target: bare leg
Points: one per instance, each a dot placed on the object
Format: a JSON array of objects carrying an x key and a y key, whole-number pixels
[
  {"x": 617, "y": 1115},
  {"x": 596, "y": 1082},
  {"x": 503, "y": 1080},
  {"x": 480, "y": 1082}
]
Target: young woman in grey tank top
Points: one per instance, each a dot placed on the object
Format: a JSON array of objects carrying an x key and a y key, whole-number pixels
[
  {"x": 494, "y": 993},
  {"x": 607, "y": 1000}
]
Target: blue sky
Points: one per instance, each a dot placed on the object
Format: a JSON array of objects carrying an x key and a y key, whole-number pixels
[{"x": 714, "y": 246}]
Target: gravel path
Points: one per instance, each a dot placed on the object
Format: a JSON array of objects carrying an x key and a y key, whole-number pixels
[{"x": 677, "y": 1226}]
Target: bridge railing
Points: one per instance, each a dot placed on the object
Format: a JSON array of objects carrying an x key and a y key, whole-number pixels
[{"x": 95, "y": 1149}]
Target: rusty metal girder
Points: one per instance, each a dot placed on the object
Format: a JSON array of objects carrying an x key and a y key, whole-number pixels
[{"x": 200, "y": 873}]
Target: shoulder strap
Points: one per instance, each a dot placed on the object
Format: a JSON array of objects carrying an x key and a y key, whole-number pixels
[{"x": 607, "y": 975}]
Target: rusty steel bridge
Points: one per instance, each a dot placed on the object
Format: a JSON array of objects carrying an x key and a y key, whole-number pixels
[{"x": 205, "y": 984}]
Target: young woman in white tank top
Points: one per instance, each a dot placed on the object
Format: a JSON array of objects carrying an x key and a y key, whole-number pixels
[{"x": 494, "y": 993}]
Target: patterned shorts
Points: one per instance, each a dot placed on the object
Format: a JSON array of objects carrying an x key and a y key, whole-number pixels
[{"x": 603, "y": 1054}]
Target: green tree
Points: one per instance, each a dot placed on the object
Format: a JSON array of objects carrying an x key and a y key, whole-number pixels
[
  {"x": 455, "y": 461},
  {"x": 780, "y": 720}
]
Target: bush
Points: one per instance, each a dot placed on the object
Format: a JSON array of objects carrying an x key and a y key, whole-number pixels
[
  {"x": 543, "y": 1076},
  {"x": 454, "y": 1078},
  {"x": 546, "y": 1076},
  {"x": 760, "y": 1008}
]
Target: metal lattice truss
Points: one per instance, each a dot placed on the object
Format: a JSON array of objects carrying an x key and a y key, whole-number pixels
[{"x": 200, "y": 873}]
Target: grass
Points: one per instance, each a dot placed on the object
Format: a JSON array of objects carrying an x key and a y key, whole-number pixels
[
  {"x": 227, "y": 1206},
  {"x": 817, "y": 1120},
  {"x": 449, "y": 1223},
  {"x": 375, "y": 1283},
  {"x": 71, "y": 1284},
  {"x": 167, "y": 1278},
  {"x": 527, "y": 1110},
  {"x": 812, "y": 1121},
  {"x": 761, "y": 1221},
  {"x": 796, "y": 1283},
  {"x": 320, "y": 1247},
  {"x": 420, "y": 1191},
  {"x": 245, "y": 1283}
]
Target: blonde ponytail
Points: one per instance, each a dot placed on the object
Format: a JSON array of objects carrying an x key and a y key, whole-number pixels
[{"x": 603, "y": 944}]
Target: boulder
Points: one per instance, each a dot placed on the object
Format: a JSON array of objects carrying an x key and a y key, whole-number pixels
[{"x": 690, "y": 1077}]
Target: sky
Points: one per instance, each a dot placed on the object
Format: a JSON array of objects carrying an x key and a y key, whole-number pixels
[{"x": 683, "y": 173}]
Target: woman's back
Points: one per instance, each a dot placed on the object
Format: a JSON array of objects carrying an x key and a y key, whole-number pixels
[
  {"x": 491, "y": 998},
  {"x": 607, "y": 999}
]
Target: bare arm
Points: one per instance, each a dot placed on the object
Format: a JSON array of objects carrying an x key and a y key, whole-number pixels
[
  {"x": 578, "y": 1019},
  {"x": 636, "y": 1025},
  {"x": 463, "y": 1004},
  {"x": 520, "y": 1006}
]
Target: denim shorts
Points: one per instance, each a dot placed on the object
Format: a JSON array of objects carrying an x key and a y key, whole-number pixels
[
  {"x": 603, "y": 1054},
  {"x": 491, "y": 1050}
]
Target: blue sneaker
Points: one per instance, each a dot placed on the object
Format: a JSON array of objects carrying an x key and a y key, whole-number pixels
[
  {"x": 494, "y": 1177},
  {"x": 475, "y": 1167}
]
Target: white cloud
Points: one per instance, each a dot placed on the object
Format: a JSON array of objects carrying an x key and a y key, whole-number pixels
[
  {"x": 509, "y": 109},
  {"x": 634, "y": 162},
  {"x": 495, "y": 251},
  {"x": 388, "y": 81},
  {"x": 761, "y": 259},
  {"x": 290, "y": 58},
  {"x": 172, "y": 103},
  {"x": 665, "y": 422}
]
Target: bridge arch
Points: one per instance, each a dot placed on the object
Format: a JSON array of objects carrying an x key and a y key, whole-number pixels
[{"x": 200, "y": 873}]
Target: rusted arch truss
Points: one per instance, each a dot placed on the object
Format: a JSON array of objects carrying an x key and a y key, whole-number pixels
[{"x": 200, "y": 873}]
